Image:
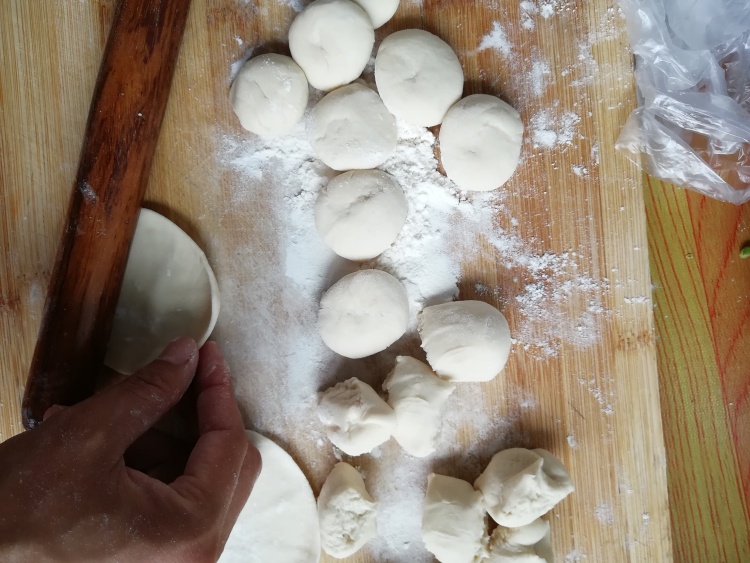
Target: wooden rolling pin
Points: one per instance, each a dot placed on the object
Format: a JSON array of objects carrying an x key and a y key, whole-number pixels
[{"x": 123, "y": 126}]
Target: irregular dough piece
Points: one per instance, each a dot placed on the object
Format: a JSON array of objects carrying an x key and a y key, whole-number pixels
[
  {"x": 480, "y": 142},
  {"x": 417, "y": 397},
  {"x": 363, "y": 313},
  {"x": 332, "y": 41},
  {"x": 347, "y": 513},
  {"x": 269, "y": 94},
  {"x": 279, "y": 522},
  {"x": 465, "y": 340},
  {"x": 168, "y": 291},
  {"x": 527, "y": 544},
  {"x": 418, "y": 76},
  {"x": 352, "y": 130},
  {"x": 380, "y": 11},
  {"x": 356, "y": 419},
  {"x": 520, "y": 485},
  {"x": 530, "y": 534},
  {"x": 360, "y": 213},
  {"x": 454, "y": 522}
]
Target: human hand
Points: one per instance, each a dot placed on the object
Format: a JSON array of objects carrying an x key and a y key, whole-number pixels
[{"x": 67, "y": 494}]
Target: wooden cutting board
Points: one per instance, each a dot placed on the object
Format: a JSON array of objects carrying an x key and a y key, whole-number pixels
[{"x": 595, "y": 405}]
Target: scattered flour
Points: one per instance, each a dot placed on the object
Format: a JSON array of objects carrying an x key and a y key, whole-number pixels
[
  {"x": 603, "y": 397},
  {"x": 528, "y": 10},
  {"x": 579, "y": 170},
  {"x": 272, "y": 285},
  {"x": 575, "y": 556},
  {"x": 637, "y": 300},
  {"x": 539, "y": 75},
  {"x": 548, "y": 129},
  {"x": 497, "y": 40},
  {"x": 604, "y": 514},
  {"x": 272, "y": 311},
  {"x": 547, "y": 10}
]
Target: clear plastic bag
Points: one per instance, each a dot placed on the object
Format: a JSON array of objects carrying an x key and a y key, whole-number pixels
[{"x": 693, "y": 74}]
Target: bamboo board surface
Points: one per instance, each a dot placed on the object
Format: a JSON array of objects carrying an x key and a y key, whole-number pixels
[{"x": 596, "y": 406}]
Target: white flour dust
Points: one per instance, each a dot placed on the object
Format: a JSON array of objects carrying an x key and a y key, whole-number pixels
[
  {"x": 575, "y": 556},
  {"x": 530, "y": 10},
  {"x": 272, "y": 289},
  {"x": 539, "y": 76},
  {"x": 548, "y": 129},
  {"x": 604, "y": 514},
  {"x": 497, "y": 40},
  {"x": 272, "y": 283}
]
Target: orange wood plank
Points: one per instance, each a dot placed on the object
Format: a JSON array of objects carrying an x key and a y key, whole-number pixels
[{"x": 702, "y": 316}]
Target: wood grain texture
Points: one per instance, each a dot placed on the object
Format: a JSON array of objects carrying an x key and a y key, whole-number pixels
[
  {"x": 596, "y": 406},
  {"x": 123, "y": 126},
  {"x": 702, "y": 309}
]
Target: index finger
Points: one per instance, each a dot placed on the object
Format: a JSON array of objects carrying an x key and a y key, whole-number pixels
[{"x": 215, "y": 464}]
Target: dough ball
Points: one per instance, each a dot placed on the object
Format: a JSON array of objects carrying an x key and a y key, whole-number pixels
[
  {"x": 465, "y": 340},
  {"x": 526, "y": 544},
  {"x": 356, "y": 419},
  {"x": 351, "y": 129},
  {"x": 380, "y": 11},
  {"x": 332, "y": 41},
  {"x": 279, "y": 522},
  {"x": 418, "y": 76},
  {"x": 520, "y": 485},
  {"x": 417, "y": 397},
  {"x": 347, "y": 513},
  {"x": 269, "y": 94},
  {"x": 453, "y": 524},
  {"x": 363, "y": 313},
  {"x": 480, "y": 142},
  {"x": 360, "y": 213},
  {"x": 168, "y": 291}
]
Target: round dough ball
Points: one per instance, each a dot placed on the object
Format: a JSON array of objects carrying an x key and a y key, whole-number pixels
[
  {"x": 520, "y": 485},
  {"x": 356, "y": 419},
  {"x": 269, "y": 94},
  {"x": 351, "y": 129},
  {"x": 360, "y": 213},
  {"x": 418, "y": 76},
  {"x": 465, "y": 340},
  {"x": 168, "y": 291},
  {"x": 380, "y": 11},
  {"x": 363, "y": 313},
  {"x": 453, "y": 522},
  {"x": 332, "y": 41},
  {"x": 347, "y": 513},
  {"x": 417, "y": 397},
  {"x": 279, "y": 522},
  {"x": 480, "y": 142}
]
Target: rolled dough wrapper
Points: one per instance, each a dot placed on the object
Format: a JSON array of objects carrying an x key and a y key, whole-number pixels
[
  {"x": 168, "y": 291},
  {"x": 279, "y": 522}
]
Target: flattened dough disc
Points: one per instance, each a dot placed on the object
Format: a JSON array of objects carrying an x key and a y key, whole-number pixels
[
  {"x": 279, "y": 523},
  {"x": 169, "y": 291}
]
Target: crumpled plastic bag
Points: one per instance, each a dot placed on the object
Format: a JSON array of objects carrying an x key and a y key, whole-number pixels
[{"x": 693, "y": 75}]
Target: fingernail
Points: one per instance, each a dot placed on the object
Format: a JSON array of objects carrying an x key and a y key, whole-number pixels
[{"x": 179, "y": 351}]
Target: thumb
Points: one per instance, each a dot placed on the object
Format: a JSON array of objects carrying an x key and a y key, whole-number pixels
[{"x": 124, "y": 411}]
